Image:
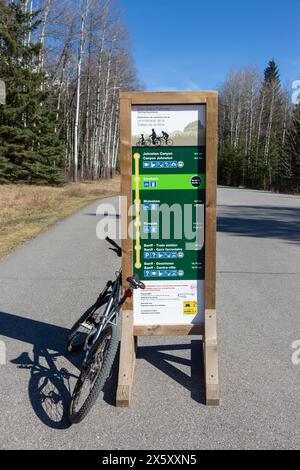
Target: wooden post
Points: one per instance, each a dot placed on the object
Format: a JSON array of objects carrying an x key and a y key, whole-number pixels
[
  {"x": 210, "y": 335},
  {"x": 127, "y": 350},
  {"x": 127, "y": 357}
]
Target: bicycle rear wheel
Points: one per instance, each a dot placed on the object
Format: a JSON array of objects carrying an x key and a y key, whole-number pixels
[{"x": 94, "y": 374}]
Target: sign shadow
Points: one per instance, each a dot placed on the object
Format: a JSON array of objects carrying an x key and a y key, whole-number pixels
[{"x": 159, "y": 356}]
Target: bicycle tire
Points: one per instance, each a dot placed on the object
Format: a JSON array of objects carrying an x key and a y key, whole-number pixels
[
  {"x": 76, "y": 417},
  {"x": 71, "y": 348}
]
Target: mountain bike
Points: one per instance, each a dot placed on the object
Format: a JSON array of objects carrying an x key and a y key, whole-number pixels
[
  {"x": 145, "y": 143},
  {"x": 167, "y": 142},
  {"x": 97, "y": 332},
  {"x": 160, "y": 141}
]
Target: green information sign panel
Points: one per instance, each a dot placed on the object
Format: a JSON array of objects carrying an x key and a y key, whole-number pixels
[{"x": 168, "y": 189}]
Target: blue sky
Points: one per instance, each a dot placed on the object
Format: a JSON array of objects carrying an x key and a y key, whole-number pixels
[{"x": 192, "y": 44}]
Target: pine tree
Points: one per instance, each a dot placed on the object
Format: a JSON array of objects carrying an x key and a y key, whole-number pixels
[
  {"x": 271, "y": 73},
  {"x": 30, "y": 150},
  {"x": 270, "y": 127}
]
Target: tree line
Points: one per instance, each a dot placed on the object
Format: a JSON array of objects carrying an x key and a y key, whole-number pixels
[
  {"x": 259, "y": 131},
  {"x": 63, "y": 63}
]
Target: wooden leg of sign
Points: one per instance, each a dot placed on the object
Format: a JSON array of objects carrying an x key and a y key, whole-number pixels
[
  {"x": 211, "y": 359},
  {"x": 127, "y": 360}
]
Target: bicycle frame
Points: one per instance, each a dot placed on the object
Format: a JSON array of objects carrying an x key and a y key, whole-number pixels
[
  {"x": 111, "y": 310},
  {"x": 114, "y": 303}
]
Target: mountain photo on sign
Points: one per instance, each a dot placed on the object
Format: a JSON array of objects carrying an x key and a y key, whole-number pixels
[{"x": 168, "y": 130}]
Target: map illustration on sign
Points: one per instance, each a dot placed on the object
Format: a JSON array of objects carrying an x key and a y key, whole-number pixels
[{"x": 168, "y": 193}]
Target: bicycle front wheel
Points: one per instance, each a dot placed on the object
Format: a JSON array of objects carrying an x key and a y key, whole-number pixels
[{"x": 94, "y": 374}]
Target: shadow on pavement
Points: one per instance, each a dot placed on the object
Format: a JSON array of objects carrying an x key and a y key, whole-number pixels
[
  {"x": 49, "y": 387},
  {"x": 159, "y": 356},
  {"x": 282, "y": 223}
]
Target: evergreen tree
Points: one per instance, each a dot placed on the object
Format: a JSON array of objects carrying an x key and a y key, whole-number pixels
[
  {"x": 255, "y": 119},
  {"x": 271, "y": 127},
  {"x": 30, "y": 150},
  {"x": 271, "y": 74}
]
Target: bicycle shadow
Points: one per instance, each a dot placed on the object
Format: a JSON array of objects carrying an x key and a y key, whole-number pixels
[{"x": 49, "y": 386}]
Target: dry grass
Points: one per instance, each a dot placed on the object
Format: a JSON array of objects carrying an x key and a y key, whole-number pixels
[{"x": 26, "y": 211}]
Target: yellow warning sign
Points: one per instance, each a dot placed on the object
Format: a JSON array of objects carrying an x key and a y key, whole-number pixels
[{"x": 190, "y": 307}]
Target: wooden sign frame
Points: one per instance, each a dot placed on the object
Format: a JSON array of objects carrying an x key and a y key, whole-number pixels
[{"x": 129, "y": 332}]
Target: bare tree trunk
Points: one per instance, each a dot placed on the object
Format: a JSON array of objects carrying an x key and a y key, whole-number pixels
[
  {"x": 285, "y": 118},
  {"x": 78, "y": 88},
  {"x": 259, "y": 130},
  {"x": 104, "y": 111},
  {"x": 251, "y": 117},
  {"x": 97, "y": 129},
  {"x": 43, "y": 34},
  {"x": 116, "y": 140},
  {"x": 30, "y": 12},
  {"x": 109, "y": 149},
  {"x": 86, "y": 143},
  {"x": 268, "y": 140}
]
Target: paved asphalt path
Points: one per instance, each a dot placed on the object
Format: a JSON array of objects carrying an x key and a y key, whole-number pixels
[{"x": 46, "y": 283}]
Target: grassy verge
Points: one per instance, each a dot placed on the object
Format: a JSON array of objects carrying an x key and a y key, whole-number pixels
[{"x": 26, "y": 211}]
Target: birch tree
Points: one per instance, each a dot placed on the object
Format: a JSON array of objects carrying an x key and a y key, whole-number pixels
[
  {"x": 85, "y": 59},
  {"x": 84, "y": 14}
]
